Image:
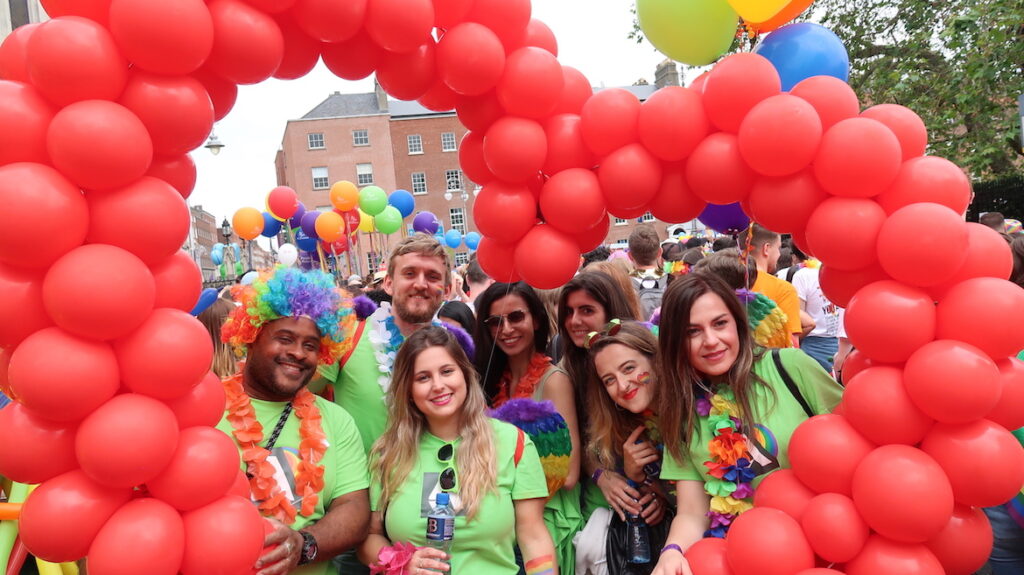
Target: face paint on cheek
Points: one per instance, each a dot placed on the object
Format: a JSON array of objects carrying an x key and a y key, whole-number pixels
[{"x": 644, "y": 378}]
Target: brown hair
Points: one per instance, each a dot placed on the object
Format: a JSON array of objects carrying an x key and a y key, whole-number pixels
[
  {"x": 643, "y": 245},
  {"x": 1017, "y": 249},
  {"x": 618, "y": 270},
  {"x": 761, "y": 236},
  {"x": 424, "y": 245},
  {"x": 212, "y": 318},
  {"x": 727, "y": 265}
]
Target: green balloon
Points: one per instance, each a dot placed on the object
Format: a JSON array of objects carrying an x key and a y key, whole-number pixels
[
  {"x": 694, "y": 32},
  {"x": 372, "y": 200},
  {"x": 389, "y": 220}
]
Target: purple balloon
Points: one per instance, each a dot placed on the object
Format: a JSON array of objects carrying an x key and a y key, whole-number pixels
[
  {"x": 728, "y": 219},
  {"x": 309, "y": 223},
  {"x": 426, "y": 222},
  {"x": 296, "y": 220}
]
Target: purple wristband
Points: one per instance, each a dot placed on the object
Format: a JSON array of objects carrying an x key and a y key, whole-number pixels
[
  {"x": 596, "y": 475},
  {"x": 671, "y": 547}
]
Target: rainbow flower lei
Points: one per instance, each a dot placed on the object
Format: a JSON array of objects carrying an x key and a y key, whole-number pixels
[{"x": 730, "y": 485}]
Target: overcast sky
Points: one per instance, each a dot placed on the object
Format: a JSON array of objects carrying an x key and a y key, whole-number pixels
[{"x": 592, "y": 37}]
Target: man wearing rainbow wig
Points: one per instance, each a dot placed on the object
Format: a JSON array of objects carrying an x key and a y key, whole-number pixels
[{"x": 302, "y": 454}]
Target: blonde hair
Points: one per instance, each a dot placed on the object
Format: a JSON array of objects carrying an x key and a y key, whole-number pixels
[
  {"x": 424, "y": 245},
  {"x": 394, "y": 454},
  {"x": 212, "y": 318}
]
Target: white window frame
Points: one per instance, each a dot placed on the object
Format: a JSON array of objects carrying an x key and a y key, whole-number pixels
[
  {"x": 423, "y": 176},
  {"x": 449, "y": 142},
  {"x": 457, "y": 215},
  {"x": 453, "y": 177},
  {"x": 360, "y": 138},
  {"x": 364, "y": 174},
  {"x": 461, "y": 258},
  {"x": 621, "y": 222},
  {"x": 415, "y": 143},
  {"x": 324, "y": 179},
  {"x": 315, "y": 138},
  {"x": 646, "y": 218}
]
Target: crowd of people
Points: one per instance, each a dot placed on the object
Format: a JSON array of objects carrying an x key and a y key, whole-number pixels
[{"x": 666, "y": 390}]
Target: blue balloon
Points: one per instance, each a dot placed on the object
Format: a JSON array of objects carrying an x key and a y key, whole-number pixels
[
  {"x": 453, "y": 238},
  {"x": 472, "y": 240},
  {"x": 728, "y": 219},
  {"x": 271, "y": 226},
  {"x": 800, "y": 51},
  {"x": 304, "y": 242},
  {"x": 238, "y": 252},
  {"x": 217, "y": 255},
  {"x": 403, "y": 202},
  {"x": 206, "y": 299}
]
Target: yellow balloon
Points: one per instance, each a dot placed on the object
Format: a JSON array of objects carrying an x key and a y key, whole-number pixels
[
  {"x": 694, "y": 32},
  {"x": 758, "y": 10},
  {"x": 365, "y": 222},
  {"x": 248, "y": 223}
]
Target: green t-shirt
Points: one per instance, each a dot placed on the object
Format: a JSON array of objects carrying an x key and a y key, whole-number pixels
[
  {"x": 357, "y": 388},
  {"x": 775, "y": 419},
  {"x": 484, "y": 545},
  {"x": 345, "y": 468}
]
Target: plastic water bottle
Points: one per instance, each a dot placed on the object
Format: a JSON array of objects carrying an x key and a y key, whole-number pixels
[
  {"x": 637, "y": 537},
  {"x": 441, "y": 525}
]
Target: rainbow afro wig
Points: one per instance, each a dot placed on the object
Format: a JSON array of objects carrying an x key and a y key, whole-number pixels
[{"x": 290, "y": 292}]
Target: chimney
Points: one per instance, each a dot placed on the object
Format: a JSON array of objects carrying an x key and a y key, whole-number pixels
[
  {"x": 382, "y": 96},
  {"x": 666, "y": 74}
]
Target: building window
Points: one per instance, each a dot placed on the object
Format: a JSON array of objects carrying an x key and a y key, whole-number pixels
[
  {"x": 316, "y": 141},
  {"x": 621, "y": 222},
  {"x": 448, "y": 142},
  {"x": 321, "y": 181},
  {"x": 647, "y": 217},
  {"x": 372, "y": 262},
  {"x": 458, "y": 219},
  {"x": 364, "y": 174},
  {"x": 415, "y": 144},
  {"x": 461, "y": 258},
  {"x": 453, "y": 179},
  {"x": 419, "y": 183},
  {"x": 360, "y": 138}
]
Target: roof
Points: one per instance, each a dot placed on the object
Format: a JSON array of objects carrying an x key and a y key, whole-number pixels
[{"x": 339, "y": 105}]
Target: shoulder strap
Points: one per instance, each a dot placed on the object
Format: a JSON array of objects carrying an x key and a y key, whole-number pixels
[
  {"x": 355, "y": 341},
  {"x": 520, "y": 446},
  {"x": 793, "y": 389},
  {"x": 791, "y": 272}
]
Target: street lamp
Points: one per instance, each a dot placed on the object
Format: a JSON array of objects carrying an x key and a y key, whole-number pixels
[
  {"x": 225, "y": 230},
  {"x": 213, "y": 144}
]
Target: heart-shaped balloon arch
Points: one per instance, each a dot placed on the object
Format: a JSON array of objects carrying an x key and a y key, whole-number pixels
[{"x": 99, "y": 107}]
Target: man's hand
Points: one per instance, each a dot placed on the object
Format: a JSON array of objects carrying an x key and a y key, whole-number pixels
[{"x": 284, "y": 556}]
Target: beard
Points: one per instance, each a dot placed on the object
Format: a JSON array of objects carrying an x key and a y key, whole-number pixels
[
  {"x": 262, "y": 376},
  {"x": 409, "y": 315}
]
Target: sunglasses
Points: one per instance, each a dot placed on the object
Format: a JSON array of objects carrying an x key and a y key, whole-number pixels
[
  {"x": 514, "y": 318},
  {"x": 610, "y": 329},
  {"x": 448, "y": 478}
]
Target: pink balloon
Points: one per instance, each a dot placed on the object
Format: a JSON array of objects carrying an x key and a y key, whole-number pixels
[
  {"x": 858, "y": 158},
  {"x": 143, "y": 536},
  {"x": 515, "y": 149},
  {"x": 71, "y": 59}
]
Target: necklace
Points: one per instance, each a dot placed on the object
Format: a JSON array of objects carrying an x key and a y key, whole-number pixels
[
  {"x": 730, "y": 485},
  {"x": 248, "y": 433},
  {"x": 527, "y": 384},
  {"x": 386, "y": 338}
]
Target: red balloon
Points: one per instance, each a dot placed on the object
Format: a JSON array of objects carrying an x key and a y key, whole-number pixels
[
  {"x": 591, "y": 238},
  {"x": 71, "y": 59},
  {"x": 439, "y": 97},
  {"x": 785, "y": 204},
  {"x": 959, "y": 449},
  {"x": 988, "y": 255},
  {"x": 834, "y": 528},
  {"x": 448, "y": 13},
  {"x": 964, "y": 544},
  {"x": 907, "y": 244},
  {"x": 888, "y": 321},
  {"x": 143, "y": 536},
  {"x": 61, "y": 517},
  {"x": 178, "y": 282},
  {"x": 717, "y": 172},
  {"x": 353, "y": 59},
  {"x": 540, "y": 35},
  {"x": 99, "y": 145},
  {"x": 176, "y": 111},
  {"x": 204, "y": 404},
  {"x": 878, "y": 406},
  {"x": 830, "y": 434},
  {"x": 575, "y": 93},
  {"x": 610, "y": 120},
  {"x": 163, "y": 37},
  {"x": 571, "y": 201},
  {"x": 127, "y": 441},
  {"x": 67, "y": 390},
  {"x": 674, "y": 201},
  {"x": 225, "y": 536},
  {"x": 880, "y": 487},
  {"x": 25, "y": 116},
  {"x": 934, "y": 377},
  {"x": 531, "y": 85},
  {"x": 223, "y": 93},
  {"x": 857, "y": 362},
  {"x": 203, "y": 448},
  {"x": 783, "y": 491},
  {"x": 843, "y": 232},
  {"x": 765, "y": 541},
  {"x": 13, "y": 66},
  {"x": 707, "y": 557},
  {"x": 247, "y": 44},
  {"x": 125, "y": 218},
  {"x": 282, "y": 202},
  {"x": 507, "y": 18},
  {"x": 497, "y": 260},
  {"x": 735, "y": 85},
  {"x": 471, "y": 158},
  {"x": 34, "y": 450},
  {"x": 905, "y": 124},
  {"x": 470, "y": 76},
  {"x": 566, "y": 148},
  {"x": 561, "y": 257},
  {"x": 55, "y": 210},
  {"x": 832, "y": 98},
  {"x": 630, "y": 178},
  {"x": 399, "y": 25},
  {"x": 858, "y": 158},
  {"x": 881, "y": 555},
  {"x": 515, "y": 148},
  {"x": 241, "y": 487},
  {"x": 840, "y": 286},
  {"x": 1009, "y": 410},
  {"x": 780, "y": 135},
  {"x": 408, "y": 76},
  {"x": 166, "y": 356},
  {"x": 928, "y": 179},
  {"x": 328, "y": 20},
  {"x": 301, "y": 52},
  {"x": 504, "y": 212},
  {"x": 672, "y": 123},
  {"x": 99, "y": 291},
  {"x": 22, "y": 305},
  {"x": 479, "y": 112},
  {"x": 982, "y": 312},
  {"x": 178, "y": 171},
  {"x": 95, "y": 10}
]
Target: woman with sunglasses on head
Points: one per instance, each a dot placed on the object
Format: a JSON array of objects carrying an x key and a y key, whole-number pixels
[
  {"x": 728, "y": 411},
  {"x": 439, "y": 439},
  {"x": 512, "y": 334}
]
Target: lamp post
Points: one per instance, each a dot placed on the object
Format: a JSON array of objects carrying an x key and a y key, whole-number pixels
[
  {"x": 213, "y": 144},
  {"x": 225, "y": 230}
]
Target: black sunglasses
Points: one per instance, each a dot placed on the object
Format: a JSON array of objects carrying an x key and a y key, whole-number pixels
[
  {"x": 513, "y": 318},
  {"x": 444, "y": 455}
]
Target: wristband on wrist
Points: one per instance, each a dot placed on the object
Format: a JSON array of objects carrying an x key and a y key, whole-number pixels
[
  {"x": 671, "y": 547},
  {"x": 597, "y": 474},
  {"x": 393, "y": 560}
]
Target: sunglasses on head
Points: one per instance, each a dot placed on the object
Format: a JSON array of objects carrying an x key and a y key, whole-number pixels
[
  {"x": 512, "y": 318},
  {"x": 610, "y": 329},
  {"x": 448, "y": 479}
]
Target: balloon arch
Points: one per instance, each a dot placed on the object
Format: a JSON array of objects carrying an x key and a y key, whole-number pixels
[{"x": 100, "y": 105}]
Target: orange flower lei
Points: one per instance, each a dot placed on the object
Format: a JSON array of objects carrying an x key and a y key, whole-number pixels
[
  {"x": 248, "y": 432},
  {"x": 526, "y": 385}
]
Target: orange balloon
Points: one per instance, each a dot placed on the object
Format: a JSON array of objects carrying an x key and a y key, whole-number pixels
[
  {"x": 248, "y": 223},
  {"x": 790, "y": 11},
  {"x": 344, "y": 195},
  {"x": 330, "y": 227}
]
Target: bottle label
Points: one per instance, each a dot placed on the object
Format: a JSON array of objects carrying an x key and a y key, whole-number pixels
[{"x": 440, "y": 528}]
